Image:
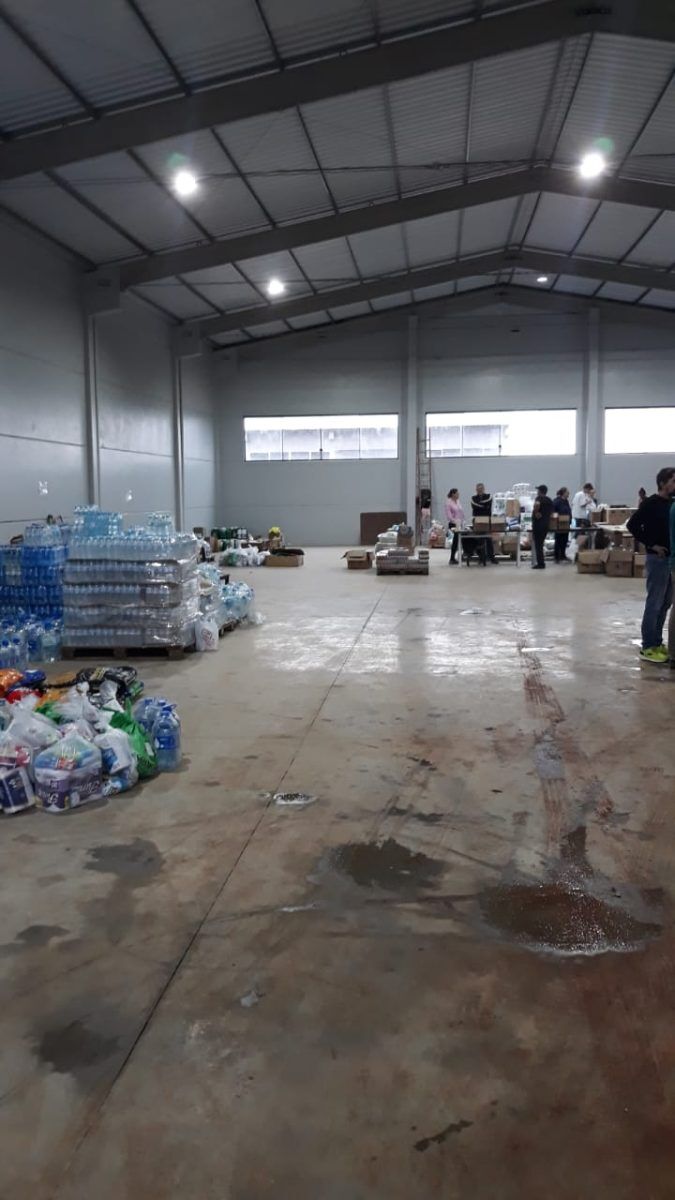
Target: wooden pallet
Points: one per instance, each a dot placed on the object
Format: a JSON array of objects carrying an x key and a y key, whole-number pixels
[{"x": 171, "y": 652}]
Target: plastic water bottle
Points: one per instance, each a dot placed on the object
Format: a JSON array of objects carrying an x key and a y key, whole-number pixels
[
  {"x": 51, "y": 642},
  {"x": 166, "y": 733}
]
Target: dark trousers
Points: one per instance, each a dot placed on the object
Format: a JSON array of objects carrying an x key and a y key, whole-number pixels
[
  {"x": 455, "y": 543},
  {"x": 561, "y": 540},
  {"x": 538, "y": 538}
]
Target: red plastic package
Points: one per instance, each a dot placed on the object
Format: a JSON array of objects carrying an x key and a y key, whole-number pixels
[{"x": 8, "y": 678}]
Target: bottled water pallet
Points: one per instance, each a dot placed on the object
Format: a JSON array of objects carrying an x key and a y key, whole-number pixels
[{"x": 412, "y": 567}]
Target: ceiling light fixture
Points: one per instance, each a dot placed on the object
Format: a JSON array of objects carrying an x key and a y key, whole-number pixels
[
  {"x": 185, "y": 183},
  {"x": 592, "y": 165},
  {"x": 542, "y": 278},
  {"x": 275, "y": 288}
]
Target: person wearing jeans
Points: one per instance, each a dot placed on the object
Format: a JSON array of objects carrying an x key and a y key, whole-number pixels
[
  {"x": 454, "y": 515},
  {"x": 541, "y": 520},
  {"x": 671, "y": 624},
  {"x": 651, "y": 525}
]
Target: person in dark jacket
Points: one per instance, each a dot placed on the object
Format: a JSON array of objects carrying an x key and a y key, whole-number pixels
[
  {"x": 541, "y": 520},
  {"x": 562, "y": 506},
  {"x": 651, "y": 526},
  {"x": 481, "y": 506}
]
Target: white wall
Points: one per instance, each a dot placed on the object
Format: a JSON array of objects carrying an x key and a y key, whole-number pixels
[
  {"x": 501, "y": 358},
  {"x": 42, "y": 428},
  {"x": 42, "y": 398},
  {"x": 315, "y": 503}
]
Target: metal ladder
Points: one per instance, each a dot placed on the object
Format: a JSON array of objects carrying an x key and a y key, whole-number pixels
[{"x": 423, "y": 480}]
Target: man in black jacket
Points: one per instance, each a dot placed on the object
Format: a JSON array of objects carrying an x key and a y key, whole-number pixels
[
  {"x": 481, "y": 506},
  {"x": 651, "y": 526}
]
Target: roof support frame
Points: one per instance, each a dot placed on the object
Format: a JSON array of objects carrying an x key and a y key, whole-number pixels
[{"x": 398, "y": 59}]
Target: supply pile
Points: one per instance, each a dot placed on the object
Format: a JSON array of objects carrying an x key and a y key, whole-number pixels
[
  {"x": 223, "y": 606},
  {"x": 64, "y": 745},
  {"x": 133, "y": 588},
  {"x": 394, "y": 553},
  {"x": 31, "y": 597}
]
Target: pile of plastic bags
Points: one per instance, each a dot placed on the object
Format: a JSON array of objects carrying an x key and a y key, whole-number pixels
[
  {"x": 64, "y": 745},
  {"x": 222, "y": 605}
]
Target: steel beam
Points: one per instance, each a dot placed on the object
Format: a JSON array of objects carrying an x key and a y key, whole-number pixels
[
  {"x": 341, "y": 74},
  {"x": 534, "y": 261},
  {"x": 393, "y": 212}
]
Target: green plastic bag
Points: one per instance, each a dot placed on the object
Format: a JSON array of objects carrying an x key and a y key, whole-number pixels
[{"x": 141, "y": 746}]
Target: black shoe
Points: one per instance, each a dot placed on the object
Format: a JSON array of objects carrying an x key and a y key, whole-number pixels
[
  {"x": 537, "y": 567},
  {"x": 453, "y": 563}
]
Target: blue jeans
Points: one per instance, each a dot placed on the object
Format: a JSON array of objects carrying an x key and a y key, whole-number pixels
[{"x": 659, "y": 599}]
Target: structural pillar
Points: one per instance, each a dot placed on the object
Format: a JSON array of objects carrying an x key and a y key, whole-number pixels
[
  {"x": 185, "y": 343},
  {"x": 409, "y": 449},
  {"x": 593, "y": 411},
  {"x": 91, "y": 411}
]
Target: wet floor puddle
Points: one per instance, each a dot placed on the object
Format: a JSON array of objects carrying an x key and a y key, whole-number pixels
[
  {"x": 561, "y": 917},
  {"x": 386, "y": 864}
]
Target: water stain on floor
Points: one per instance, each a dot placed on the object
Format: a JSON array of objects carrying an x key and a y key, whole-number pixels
[
  {"x": 561, "y": 917},
  {"x": 437, "y": 1139},
  {"x": 425, "y": 818},
  {"x": 134, "y": 862},
  {"x": 73, "y": 1048},
  {"x": 386, "y": 864}
]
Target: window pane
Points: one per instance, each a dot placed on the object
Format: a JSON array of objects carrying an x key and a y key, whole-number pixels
[
  {"x": 379, "y": 436},
  {"x": 334, "y": 438},
  {"x": 340, "y": 443},
  {"x": 301, "y": 444},
  {"x": 263, "y": 445},
  {"x": 640, "y": 431},
  {"x": 480, "y": 434}
]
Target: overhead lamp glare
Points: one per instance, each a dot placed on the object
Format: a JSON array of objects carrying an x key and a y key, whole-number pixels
[
  {"x": 542, "y": 278},
  {"x": 592, "y": 165},
  {"x": 275, "y": 287},
  {"x": 185, "y": 183}
]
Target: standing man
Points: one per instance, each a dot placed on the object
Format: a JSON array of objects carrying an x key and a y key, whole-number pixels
[
  {"x": 651, "y": 526},
  {"x": 541, "y": 520},
  {"x": 561, "y": 505},
  {"x": 481, "y": 506},
  {"x": 583, "y": 505}
]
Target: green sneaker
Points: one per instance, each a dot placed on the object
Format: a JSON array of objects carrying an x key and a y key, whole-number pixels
[{"x": 656, "y": 654}]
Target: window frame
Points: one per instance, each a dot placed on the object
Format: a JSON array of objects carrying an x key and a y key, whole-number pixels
[
  {"x": 459, "y": 418},
  {"x": 633, "y": 408},
  {"x": 324, "y": 424}
]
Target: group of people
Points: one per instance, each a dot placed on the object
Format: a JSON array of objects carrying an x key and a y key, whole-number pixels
[{"x": 579, "y": 509}]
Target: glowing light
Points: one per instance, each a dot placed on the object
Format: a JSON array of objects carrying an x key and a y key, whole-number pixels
[
  {"x": 275, "y": 287},
  {"x": 592, "y": 165},
  {"x": 185, "y": 183},
  {"x": 542, "y": 278}
]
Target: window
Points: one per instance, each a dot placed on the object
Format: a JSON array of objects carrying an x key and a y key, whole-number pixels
[
  {"x": 495, "y": 434},
  {"x": 640, "y": 430},
  {"x": 306, "y": 439}
]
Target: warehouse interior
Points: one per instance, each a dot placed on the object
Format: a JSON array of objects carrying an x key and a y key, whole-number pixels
[{"x": 400, "y": 923}]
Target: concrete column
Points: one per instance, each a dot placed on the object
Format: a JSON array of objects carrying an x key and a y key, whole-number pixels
[
  {"x": 593, "y": 431},
  {"x": 409, "y": 445},
  {"x": 178, "y": 446},
  {"x": 93, "y": 440}
]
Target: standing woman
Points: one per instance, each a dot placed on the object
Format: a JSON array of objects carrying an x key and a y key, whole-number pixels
[
  {"x": 454, "y": 515},
  {"x": 562, "y": 506}
]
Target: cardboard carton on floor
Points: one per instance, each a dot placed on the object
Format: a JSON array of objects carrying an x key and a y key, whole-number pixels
[
  {"x": 619, "y": 563},
  {"x": 639, "y": 562},
  {"x": 288, "y": 558},
  {"x": 591, "y": 562},
  {"x": 359, "y": 560}
]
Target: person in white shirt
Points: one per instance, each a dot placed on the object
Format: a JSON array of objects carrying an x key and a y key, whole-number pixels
[{"x": 583, "y": 505}]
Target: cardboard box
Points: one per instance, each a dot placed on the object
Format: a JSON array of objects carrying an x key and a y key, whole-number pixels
[
  {"x": 358, "y": 560},
  {"x": 619, "y": 570},
  {"x": 512, "y": 508},
  {"x": 599, "y": 517},
  {"x": 290, "y": 559},
  {"x": 481, "y": 524},
  {"x": 619, "y": 516},
  {"x": 406, "y": 541},
  {"x": 497, "y": 524},
  {"x": 619, "y": 556},
  {"x": 591, "y": 562},
  {"x": 639, "y": 562},
  {"x": 563, "y": 522}
]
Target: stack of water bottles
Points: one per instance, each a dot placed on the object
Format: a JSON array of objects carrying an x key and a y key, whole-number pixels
[
  {"x": 129, "y": 588},
  {"x": 229, "y": 604},
  {"x": 159, "y": 720},
  {"x": 31, "y": 597}
]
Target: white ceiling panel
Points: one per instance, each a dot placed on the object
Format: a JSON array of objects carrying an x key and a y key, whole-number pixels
[
  {"x": 614, "y": 229},
  {"x": 620, "y": 83},
  {"x": 429, "y": 120},
  {"x": 509, "y": 96},
  {"x": 309, "y": 320},
  {"x": 437, "y": 292},
  {"x": 224, "y": 287},
  {"x": 207, "y": 38},
  {"x": 235, "y": 337},
  {"x": 273, "y": 151},
  {"x": 345, "y": 311},
  {"x": 571, "y": 61},
  {"x": 275, "y": 266},
  {"x": 433, "y": 239},
  {"x": 576, "y": 285},
  {"x": 176, "y": 299},
  {"x": 626, "y": 292},
  {"x": 559, "y": 222},
  {"x": 394, "y": 15},
  {"x": 55, "y": 212},
  {"x": 659, "y": 299},
  {"x": 120, "y": 188},
  {"x": 657, "y": 247},
  {"x": 102, "y": 48},
  {"x": 307, "y": 27},
  {"x": 351, "y": 132},
  {"x": 653, "y": 156},
  {"x": 487, "y": 226},
  {"x": 472, "y": 282},
  {"x": 380, "y": 251},
  {"x": 29, "y": 94},
  {"x": 327, "y": 264}
]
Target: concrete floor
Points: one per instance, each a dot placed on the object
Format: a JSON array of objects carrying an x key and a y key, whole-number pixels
[{"x": 451, "y": 976}]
